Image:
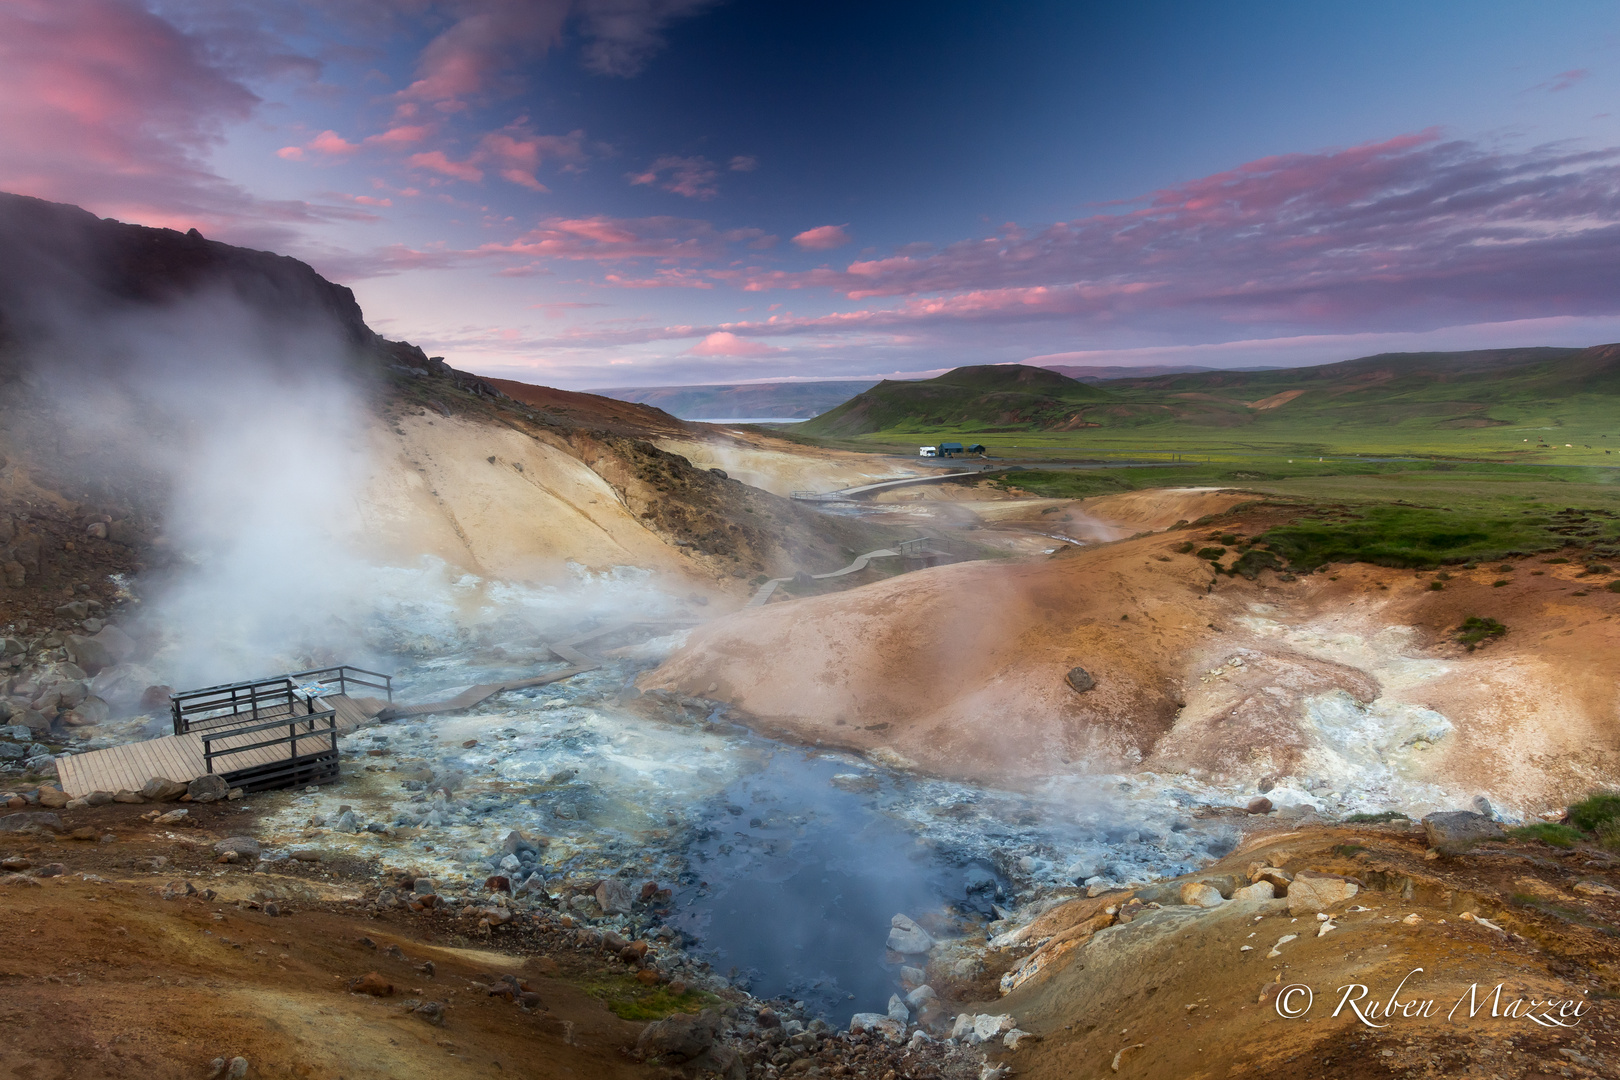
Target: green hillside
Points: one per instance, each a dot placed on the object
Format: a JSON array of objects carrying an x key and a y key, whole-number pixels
[
  {"x": 1516, "y": 404},
  {"x": 989, "y": 397}
]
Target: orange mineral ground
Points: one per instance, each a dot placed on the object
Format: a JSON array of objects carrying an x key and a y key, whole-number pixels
[{"x": 1352, "y": 676}]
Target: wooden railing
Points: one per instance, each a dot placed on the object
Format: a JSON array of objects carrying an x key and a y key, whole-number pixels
[{"x": 319, "y": 725}]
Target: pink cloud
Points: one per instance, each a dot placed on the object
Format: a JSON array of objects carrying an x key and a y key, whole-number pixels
[
  {"x": 1563, "y": 80},
  {"x": 823, "y": 237},
  {"x": 743, "y": 163},
  {"x": 490, "y": 41},
  {"x": 608, "y": 239},
  {"x": 400, "y": 135},
  {"x": 1440, "y": 230},
  {"x": 662, "y": 279},
  {"x": 108, "y": 105},
  {"x": 291, "y": 153},
  {"x": 436, "y": 161},
  {"x": 330, "y": 142},
  {"x": 723, "y": 343},
  {"x": 516, "y": 153},
  {"x": 692, "y": 177}
]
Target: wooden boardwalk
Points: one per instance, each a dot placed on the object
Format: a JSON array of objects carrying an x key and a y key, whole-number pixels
[{"x": 180, "y": 757}]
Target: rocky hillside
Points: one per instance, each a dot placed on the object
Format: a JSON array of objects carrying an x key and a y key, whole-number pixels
[{"x": 119, "y": 343}]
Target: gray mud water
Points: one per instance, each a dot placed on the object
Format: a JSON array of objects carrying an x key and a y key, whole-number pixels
[{"x": 786, "y": 863}]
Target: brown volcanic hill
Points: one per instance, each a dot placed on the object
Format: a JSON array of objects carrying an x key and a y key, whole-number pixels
[{"x": 594, "y": 411}]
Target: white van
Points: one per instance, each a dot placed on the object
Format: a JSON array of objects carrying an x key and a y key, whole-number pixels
[{"x": 927, "y": 451}]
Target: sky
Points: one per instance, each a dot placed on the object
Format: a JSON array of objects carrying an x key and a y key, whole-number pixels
[{"x": 613, "y": 193}]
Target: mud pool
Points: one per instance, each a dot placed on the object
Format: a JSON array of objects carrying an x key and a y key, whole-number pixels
[{"x": 785, "y": 863}]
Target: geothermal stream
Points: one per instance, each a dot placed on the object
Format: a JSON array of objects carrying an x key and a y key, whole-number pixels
[{"x": 785, "y": 863}]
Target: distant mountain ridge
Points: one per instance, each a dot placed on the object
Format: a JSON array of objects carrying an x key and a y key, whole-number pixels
[
  {"x": 729, "y": 401},
  {"x": 1436, "y": 390},
  {"x": 984, "y": 397}
]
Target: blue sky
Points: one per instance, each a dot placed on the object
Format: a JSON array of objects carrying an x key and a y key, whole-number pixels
[{"x": 638, "y": 192}]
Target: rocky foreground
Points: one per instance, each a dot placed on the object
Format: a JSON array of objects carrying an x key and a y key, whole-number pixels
[{"x": 152, "y": 939}]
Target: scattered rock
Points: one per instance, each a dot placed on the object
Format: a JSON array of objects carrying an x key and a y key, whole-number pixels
[
  {"x": 373, "y": 984},
  {"x": 1311, "y": 892},
  {"x": 877, "y": 1024},
  {"x": 423, "y": 886},
  {"x": 176, "y": 890},
  {"x": 1260, "y": 890},
  {"x": 132, "y": 797},
  {"x": 1594, "y": 888},
  {"x": 1261, "y": 805},
  {"x": 30, "y": 819},
  {"x": 906, "y": 937},
  {"x": 1453, "y": 832},
  {"x": 431, "y": 1011},
  {"x": 1018, "y": 1037},
  {"x": 680, "y": 1037},
  {"x": 1080, "y": 679},
  {"x": 53, "y": 797},
  {"x": 614, "y": 896},
  {"x": 1199, "y": 894}
]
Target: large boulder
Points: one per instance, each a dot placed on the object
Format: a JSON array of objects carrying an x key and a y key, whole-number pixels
[
  {"x": 52, "y": 797},
  {"x": 89, "y": 653},
  {"x": 160, "y": 789},
  {"x": 209, "y": 787},
  {"x": 1260, "y": 890},
  {"x": 1456, "y": 831},
  {"x": 244, "y": 847},
  {"x": 1311, "y": 892},
  {"x": 906, "y": 937},
  {"x": 36, "y": 819},
  {"x": 680, "y": 1037},
  {"x": 1201, "y": 894}
]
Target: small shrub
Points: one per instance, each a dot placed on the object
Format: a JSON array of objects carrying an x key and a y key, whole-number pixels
[
  {"x": 1443, "y": 576},
  {"x": 1505, "y": 568},
  {"x": 1254, "y": 560},
  {"x": 1380, "y": 818},
  {"x": 1594, "y": 810},
  {"x": 1613, "y": 586},
  {"x": 1559, "y": 559},
  {"x": 1184, "y": 548},
  {"x": 1597, "y": 568},
  {"x": 1608, "y": 834},
  {"x": 1475, "y": 630},
  {"x": 1435, "y": 586},
  {"x": 1211, "y": 553},
  {"x": 1228, "y": 539},
  {"x": 1559, "y": 836},
  {"x": 1499, "y": 584}
]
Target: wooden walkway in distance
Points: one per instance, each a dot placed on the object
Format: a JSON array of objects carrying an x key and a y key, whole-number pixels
[
  {"x": 760, "y": 598},
  {"x": 180, "y": 757}
]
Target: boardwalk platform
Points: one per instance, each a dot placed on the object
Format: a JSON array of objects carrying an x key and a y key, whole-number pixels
[
  {"x": 283, "y": 731},
  {"x": 180, "y": 757}
]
